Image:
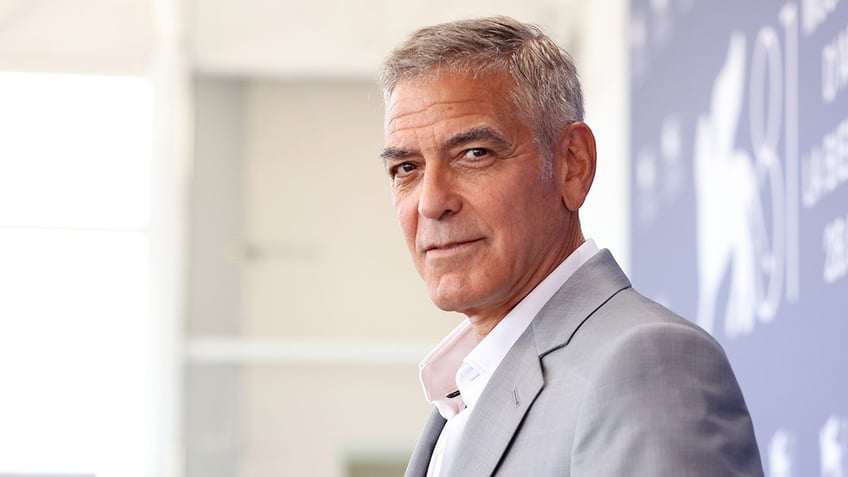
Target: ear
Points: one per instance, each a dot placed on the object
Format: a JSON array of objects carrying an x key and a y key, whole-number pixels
[{"x": 575, "y": 155}]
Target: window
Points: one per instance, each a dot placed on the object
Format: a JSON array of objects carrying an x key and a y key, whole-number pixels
[{"x": 75, "y": 339}]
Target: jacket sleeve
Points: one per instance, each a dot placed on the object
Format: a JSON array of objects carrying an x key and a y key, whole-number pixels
[{"x": 664, "y": 402}]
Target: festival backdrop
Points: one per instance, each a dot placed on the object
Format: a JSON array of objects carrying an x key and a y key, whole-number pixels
[{"x": 739, "y": 143}]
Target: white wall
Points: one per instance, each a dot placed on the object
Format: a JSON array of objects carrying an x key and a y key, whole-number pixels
[
  {"x": 333, "y": 38},
  {"x": 601, "y": 49}
]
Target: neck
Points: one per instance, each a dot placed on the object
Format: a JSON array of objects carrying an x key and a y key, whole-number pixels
[{"x": 483, "y": 321}]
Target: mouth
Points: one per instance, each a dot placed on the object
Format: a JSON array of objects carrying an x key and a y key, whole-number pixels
[{"x": 449, "y": 247}]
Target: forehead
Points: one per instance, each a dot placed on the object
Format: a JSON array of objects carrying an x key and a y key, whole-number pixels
[{"x": 446, "y": 97}]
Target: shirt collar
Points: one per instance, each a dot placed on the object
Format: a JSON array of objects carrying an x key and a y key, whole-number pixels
[{"x": 442, "y": 368}]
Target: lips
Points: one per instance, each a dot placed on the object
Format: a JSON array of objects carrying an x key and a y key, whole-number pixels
[{"x": 451, "y": 246}]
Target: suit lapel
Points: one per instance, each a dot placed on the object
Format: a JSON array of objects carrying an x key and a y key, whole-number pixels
[
  {"x": 420, "y": 460},
  {"x": 592, "y": 285},
  {"x": 499, "y": 411},
  {"x": 519, "y": 378}
]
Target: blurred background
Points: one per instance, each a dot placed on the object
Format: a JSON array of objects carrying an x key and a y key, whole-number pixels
[{"x": 200, "y": 270}]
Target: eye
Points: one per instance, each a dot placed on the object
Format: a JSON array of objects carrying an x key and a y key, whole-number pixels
[
  {"x": 475, "y": 153},
  {"x": 403, "y": 169}
]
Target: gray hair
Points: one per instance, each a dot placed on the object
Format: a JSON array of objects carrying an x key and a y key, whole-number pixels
[{"x": 547, "y": 92}]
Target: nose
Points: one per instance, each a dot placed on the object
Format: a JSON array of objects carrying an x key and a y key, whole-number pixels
[{"x": 439, "y": 198}]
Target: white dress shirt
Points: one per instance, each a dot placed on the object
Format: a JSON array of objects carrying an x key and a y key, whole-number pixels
[{"x": 461, "y": 364}]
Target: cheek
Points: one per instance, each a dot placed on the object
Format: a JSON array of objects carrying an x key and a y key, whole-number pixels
[{"x": 407, "y": 215}]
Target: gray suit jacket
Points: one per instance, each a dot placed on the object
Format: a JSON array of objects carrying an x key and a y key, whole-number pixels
[{"x": 605, "y": 382}]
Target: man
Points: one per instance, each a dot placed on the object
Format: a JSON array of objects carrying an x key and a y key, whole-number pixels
[{"x": 561, "y": 368}]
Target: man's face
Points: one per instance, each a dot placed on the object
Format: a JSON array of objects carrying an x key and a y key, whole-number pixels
[{"x": 482, "y": 222}]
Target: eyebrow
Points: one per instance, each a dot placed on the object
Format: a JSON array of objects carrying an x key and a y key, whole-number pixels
[
  {"x": 482, "y": 133},
  {"x": 390, "y": 153}
]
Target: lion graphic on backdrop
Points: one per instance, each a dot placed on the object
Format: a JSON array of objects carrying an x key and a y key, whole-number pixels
[{"x": 730, "y": 227}]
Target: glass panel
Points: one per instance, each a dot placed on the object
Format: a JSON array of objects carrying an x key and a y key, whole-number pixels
[
  {"x": 74, "y": 350},
  {"x": 76, "y": 150}
]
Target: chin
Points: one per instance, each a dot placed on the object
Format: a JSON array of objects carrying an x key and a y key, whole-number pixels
[
  {"x": 457, "y": 301},
  {"x": 446, "y": 303},
  {"x": 448, "y": 300},
  {"x": 453, "y": 292}
]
